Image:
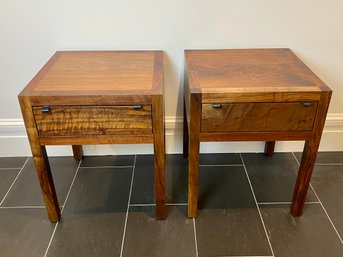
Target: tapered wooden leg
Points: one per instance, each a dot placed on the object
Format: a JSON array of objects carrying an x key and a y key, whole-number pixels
[
  {"x": 193, "y": 158},
  {"x": 185, "y": 133},
  {"x": 309, "y": 157},
  {"x": 269, "y": 148},
  {"x": 77, "y": 152},
  {"x": 41, "y": 162},
  {"x": 47, "y": 185},
  {"x": 159, "y": 155},
  {"x": 304, "y": 176}
]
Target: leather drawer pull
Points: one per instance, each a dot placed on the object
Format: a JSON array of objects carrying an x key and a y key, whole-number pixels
[
  {"x": 137, "y": 107},
  {"x": 306, "y": 104},
  {"x": 216, "y": 106},
  {"x": 45, "y": 109}
]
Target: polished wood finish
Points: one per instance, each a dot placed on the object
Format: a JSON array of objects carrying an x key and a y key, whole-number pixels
[
  {"x": 193, "y": 158},
  {"x": 253, "y": 95},
  {"x": 95, "y": 97},
  {"x": 41, "y": 162},
  {"x": 93, "y": 120},
  {"x": 309, "y": 157},
  {"x": 269, "y": 148},
  {"x": 77, "y": 152},
  {"x": 159, "y": 155},
  {"x": 258, "y": 117}
]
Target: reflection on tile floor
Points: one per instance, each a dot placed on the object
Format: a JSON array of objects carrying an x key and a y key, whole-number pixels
[{"x": 109, "y": 208}]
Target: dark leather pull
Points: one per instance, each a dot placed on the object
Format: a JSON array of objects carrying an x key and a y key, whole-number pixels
[
  {"x": 137, "y": 107},
  {"x": 306, "y": 104},
  {"x": 45, "y": 109},
  {"x": 216, "y": 106}
]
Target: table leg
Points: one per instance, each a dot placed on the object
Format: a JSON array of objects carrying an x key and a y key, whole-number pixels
[
  {"x": 185, "y": 132},
  {"x": 47, "y": 184},
  {"x": 269, "y": 148},
  {"x": 159, "y": 155},
  {"x": 193, "y": 158},
  {"x": 41, "y": 162},
  {"x": 304, "y": 176},
  {"x": 77, "y": 152},
  {"x": 309, "y": 157}
]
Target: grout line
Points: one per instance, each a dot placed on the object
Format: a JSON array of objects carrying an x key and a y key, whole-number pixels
[
  {"x": 10, "y": 168},
  {"x": 105, "y": 167},
  {"x": 153, "y": 204},
  {"x": 64, "y": 204},
  {"x": 245, "y": 256},
  {"x": 23, "y": 207},
  {"x": 339, "y": 236},
  {"x": 271, "y": 203},
  {"x": 329, "y": 164},
  {"x": 71, "y": 185},
  {"x": 295, "y": 158},
  {"x": 128, "y": 207},
  {"x": 15, "y": 179},
  {"x": 320, "y": 164},
  {"x": 327, "y": 215},
  {"x": 258, "y": 208},
  {"x": 195, "y": 239},
  {"x": 177, "y": 204},
  {"x": 142, "y": 204},
  {"x": 50, "y": 241},
  {"x": 220, "y": 165}
]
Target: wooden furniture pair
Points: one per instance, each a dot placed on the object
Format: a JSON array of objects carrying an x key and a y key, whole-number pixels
[
  {"x": 252, "y": 95},
  {"x": 95, "y": 97}
]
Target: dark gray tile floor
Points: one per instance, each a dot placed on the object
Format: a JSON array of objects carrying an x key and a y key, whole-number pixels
[{"x": 108, "y": 208}]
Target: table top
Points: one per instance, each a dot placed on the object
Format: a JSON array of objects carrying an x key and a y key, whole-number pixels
[
  {"x": 249, "y": 70},
  {"x": 80, "y": 73}
]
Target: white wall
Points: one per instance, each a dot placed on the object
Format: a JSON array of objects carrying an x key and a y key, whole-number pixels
[{"x": 31, "y": 31}]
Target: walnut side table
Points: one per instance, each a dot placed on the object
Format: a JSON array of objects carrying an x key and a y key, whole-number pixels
[
  {"x": 252, "y": 95},
  {"x": 95, "y": 97}
]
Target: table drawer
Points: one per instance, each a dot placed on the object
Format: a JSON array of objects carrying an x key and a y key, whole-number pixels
[
  {"x": 245, "y": 117},
  {"x": 93, "y": 120}
]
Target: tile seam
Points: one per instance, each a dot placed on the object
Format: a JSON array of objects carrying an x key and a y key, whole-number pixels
[
  {"x": 128, "y": 207},
  {"x": 258, "y": 208},
  {"x": 105, "y": 167},
  {"x": 195, "y": 239},
  {"x": 64, "y": 204},
  {"x": 15, "y": 179},
  {"x": 321, "y": 204}
]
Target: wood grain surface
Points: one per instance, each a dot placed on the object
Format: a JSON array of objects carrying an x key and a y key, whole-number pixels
[
  {"x": 249, "y": 70},
  {"x": 264, "y": 95},
  {"x": 93, "y": 120},
  {"x": 258, "y": 117}
]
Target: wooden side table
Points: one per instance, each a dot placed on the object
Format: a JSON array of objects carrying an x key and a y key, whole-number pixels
[
  {"x": 252, "y": 95},
  {"x": 95, "y": 97}
]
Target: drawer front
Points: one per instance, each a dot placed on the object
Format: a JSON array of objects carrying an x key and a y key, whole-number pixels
[
  {"x": 245, "y": 117},
  {"x": 93, "y": 120}
]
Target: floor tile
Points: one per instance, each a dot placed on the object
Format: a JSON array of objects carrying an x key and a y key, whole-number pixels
[
  {"x": 26, "y": 190},
  {"x": 220, "y": 159},
  {"x": 110, "y": 160},
  {"x": 308, "y": 235},
  {"x": 24, "y": 232},
  {"x": 228, "y": 221},
  {"x": 325, "y": 157},
  {"x": 175, "y": 179},
  {"x": 231, "y": 232},
  {"x": 327, "y": 181},
  {"x": 12, "y": 162},
  {"x": 7, "y": 177},
  {"x": 224, "y": 187},
  {"x": 273, "y": 178},
  {"x": 146, "y": 236},
  {"x": 93, "y": 220}
]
